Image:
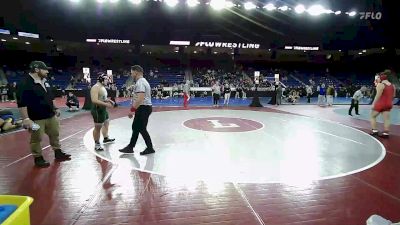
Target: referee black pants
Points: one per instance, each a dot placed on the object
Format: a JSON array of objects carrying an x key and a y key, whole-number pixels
[
  {"x": 354, "y": 104},
  {"x": 139, "y": 125}
]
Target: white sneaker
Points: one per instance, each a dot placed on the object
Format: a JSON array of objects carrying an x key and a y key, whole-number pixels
[{"x": 97, "y": 147}]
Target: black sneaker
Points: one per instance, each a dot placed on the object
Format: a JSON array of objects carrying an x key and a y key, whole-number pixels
[
  {"x": 358, "y": 114},
  {"x": 374, "y": 133},
  {"x": 97, "y": 147},
  {"x": 61, "y": 156},
  {"x": 384, "y": 135},
  {"x": 148, "y": 151},
  {"x": 127, "y": 150},
  {"x": 41, "y": 163},
  {"x": 108, "y": 140}
]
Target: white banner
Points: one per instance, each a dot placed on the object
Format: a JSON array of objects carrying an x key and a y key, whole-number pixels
[
  {"x": 227, "y": 45},
  {"x": 108, "y": 41},
  {"x": 86, "y": 74},
  {"x": 180, "y": 43},
  {"x": 302, "y": 48},
  {"x": 256, "y": 77},
  {"x": 30, "y": 35},
  {"x": 2, "y": 31},
  {"x": 86, "y": 70}
]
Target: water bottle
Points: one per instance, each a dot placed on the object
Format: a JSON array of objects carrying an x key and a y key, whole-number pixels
[{"x": 35, "y": 126}]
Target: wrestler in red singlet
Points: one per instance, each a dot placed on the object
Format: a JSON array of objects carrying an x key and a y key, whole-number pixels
[{"x": 383, "y": 103}]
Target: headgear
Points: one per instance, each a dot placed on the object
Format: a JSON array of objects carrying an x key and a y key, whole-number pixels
[
  {"x": 101, "y": 77},
  {"x": 383, "y": 76}
]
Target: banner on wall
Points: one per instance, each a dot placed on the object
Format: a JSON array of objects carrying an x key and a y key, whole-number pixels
[
  {"x": 213, "y": 44},
  {"x": 257, "y": 77},
  {"x": 86, "y": 74},
  {"x": 108, "y": 41}
]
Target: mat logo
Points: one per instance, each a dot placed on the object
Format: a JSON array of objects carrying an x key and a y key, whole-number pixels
[
  {"x": 370, "y": 15},
  {"x": 223, "y": 124},
  {"x": 216, "y": 124}
]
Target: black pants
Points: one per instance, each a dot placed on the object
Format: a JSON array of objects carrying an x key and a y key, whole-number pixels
[
  {"x": 308, "y": 98},
  {"x": 139, "y": 125},
  {"x": 216, "y": 99},
  {"x": 354, "y": 104}
]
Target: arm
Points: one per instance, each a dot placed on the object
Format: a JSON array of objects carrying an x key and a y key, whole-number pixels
[
  {"x": 94, "y": 96},
  {"x": 379, "y": 90},
  {"x": 22, "y": 100}
]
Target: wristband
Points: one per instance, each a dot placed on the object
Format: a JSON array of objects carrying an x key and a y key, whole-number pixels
[{"x": 133, "y": 109}]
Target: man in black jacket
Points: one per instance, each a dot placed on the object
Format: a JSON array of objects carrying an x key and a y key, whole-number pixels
[{"x": 35, "y": 103}]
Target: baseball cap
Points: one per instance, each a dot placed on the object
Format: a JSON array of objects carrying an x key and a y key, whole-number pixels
[{"x": 39, "y": 65}]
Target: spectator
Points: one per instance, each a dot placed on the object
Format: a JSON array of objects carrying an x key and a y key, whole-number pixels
[
  {"x": 72, "y": 102},
  {"x": 279, "y": 92},
  {"x": 4, "y": 93},
  {"x": 330, "y": 92},
  {"x": 309, "y": 93},
  {"x": 35, "y": 102},
  {"x": 321, "y": 95},
  {"x": 216, "y": 90},
  {"x": 13, "y": 92}
]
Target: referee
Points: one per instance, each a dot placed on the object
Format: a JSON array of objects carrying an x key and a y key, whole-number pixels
[
  {"x": 142, "y": 108},
  {"x": 356, "y": 100}
]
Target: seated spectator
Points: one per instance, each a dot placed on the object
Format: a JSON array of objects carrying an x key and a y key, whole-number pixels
[
  {"x": 8, "y": 121},
  {"x": 72, "y": 102}
]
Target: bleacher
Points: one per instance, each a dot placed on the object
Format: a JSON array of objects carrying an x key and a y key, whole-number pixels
[{"x": 170, "y": 77}]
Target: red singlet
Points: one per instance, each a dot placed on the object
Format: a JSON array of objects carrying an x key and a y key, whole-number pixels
[{"x": 385, "y": 102}]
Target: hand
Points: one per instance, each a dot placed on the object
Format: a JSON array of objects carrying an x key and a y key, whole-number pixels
[
  {"x": 110, "y": 105},
  {"x": 130, "y": 115},
  {"x": 110, "y": 101},
  {"x": 27, "y": 123},
  {"x": 58, "y": 113}
]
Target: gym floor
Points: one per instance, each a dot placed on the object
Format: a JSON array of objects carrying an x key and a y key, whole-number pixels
[{"x": 300, "y": 164}]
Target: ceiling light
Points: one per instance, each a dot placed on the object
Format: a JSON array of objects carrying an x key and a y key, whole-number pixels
[
  {"x": 15, "y": 38},
  {"x": 27, "y": 43},
  {"x": 338, "y": 12},
  {"x": 300, "y": 9},
  {"x": 171, "y": 3},
  {"x": 192, "y": 3},
  {"x": 270, "y": 7},
  {"x": 217, "y": 4},
  {"x": 316, "y": 10},
  {"x": 229, "y": 4},
  {"x": 3, "y": 40},
  {"x": 249, "y": 6},
  {"x": 135, "y": 2},
  {"x": 352, "y": 13},
  {"x": 283, "y": 8}
]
